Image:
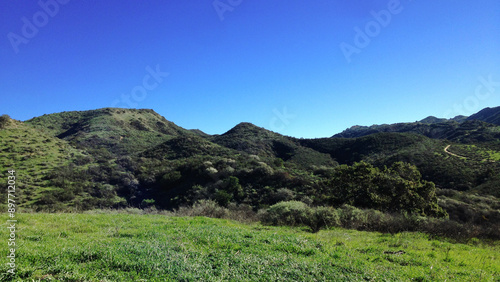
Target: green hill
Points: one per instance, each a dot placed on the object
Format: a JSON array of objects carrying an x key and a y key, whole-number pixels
[
  {"x": 444, "y": 169},
  {"x": 34, "y": 155},
  {"x": 479, "y": 127},
  {"x": 254, "y": 140},
  {"x": 120, "y": 131},
  {"x": 470, "y": 131},
  {"x": 490, "y": 115},
  {"x": 186, "y": 147}
]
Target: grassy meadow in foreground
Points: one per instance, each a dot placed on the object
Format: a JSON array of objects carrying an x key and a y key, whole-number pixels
[{"x": 127, "y": 247}]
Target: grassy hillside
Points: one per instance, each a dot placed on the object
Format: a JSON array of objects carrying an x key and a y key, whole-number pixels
[
  {"x": 120, "y": 131},
  {"x": 34, "y": 155},
  {"x": 118, "y": 158},
  {"x": 124, "y": 247}
]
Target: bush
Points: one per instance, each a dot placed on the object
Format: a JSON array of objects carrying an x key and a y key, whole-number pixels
[
  {"x": 242, "y": 213},
  {"x": 223, "y": 198},
  {"x": 323, "y": 217},
  {"x": 206, "y": 208},
  {"x": 4, "y": 121},
  {"x": 295, "y": 213},
  {"x": 146, "y": 203},
  {"x": 232, "y": 186},
  {"x": 171, "y": 178},
  {"x": 291, "y": 213},
  {"x": 395, "y": 189},
  {"x": 352, "y": 217},
  {"x": 283, "y": 194}
]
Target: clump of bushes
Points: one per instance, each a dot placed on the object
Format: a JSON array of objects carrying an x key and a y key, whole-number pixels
[
  {"x": 291, "y": 213},
  {"x": 295, "y": 213},
  {"x": 394, "y": 189},
  {"x": 208, "y": 208},
  {"x": 211, "y": 208}
]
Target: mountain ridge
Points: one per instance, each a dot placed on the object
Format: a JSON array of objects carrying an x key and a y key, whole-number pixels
[
  {"x": 488, "y": 115},
  {"x": 428, "y": 126},
  {"x": 115, "y": 158},
  {"x": 112, "y": 127}
]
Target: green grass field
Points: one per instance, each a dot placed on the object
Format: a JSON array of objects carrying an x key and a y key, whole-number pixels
[{"x": 127, "y": 247}]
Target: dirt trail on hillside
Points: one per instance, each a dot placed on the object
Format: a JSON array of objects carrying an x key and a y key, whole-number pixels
[{"x": 446, "y": 150}]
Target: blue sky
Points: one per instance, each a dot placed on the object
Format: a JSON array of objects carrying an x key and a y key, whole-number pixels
[{"x": 304, "y": 69}]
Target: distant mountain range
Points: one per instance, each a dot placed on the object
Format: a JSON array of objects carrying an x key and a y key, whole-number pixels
[
  {"x": 490, "y": 115},
  {"x": 116, "y": 157},
  {"x": 431, "y": 126}
]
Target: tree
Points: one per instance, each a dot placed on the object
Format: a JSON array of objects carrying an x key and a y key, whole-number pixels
[
  {"x": 223, "y": 198},
  {"x": 396, "y": 189},
  {"x": 170, "y": 178},
  {"x": 232, "y": 186},
  {"x": 4, "y": 121}
]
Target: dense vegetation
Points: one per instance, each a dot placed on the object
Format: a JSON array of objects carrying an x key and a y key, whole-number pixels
[{"x": 118, "y": 158}]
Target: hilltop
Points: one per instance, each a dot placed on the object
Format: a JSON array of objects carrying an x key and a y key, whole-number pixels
[
  {"x": 254, "y": 140},
  {"x": 121, "y": 131}
]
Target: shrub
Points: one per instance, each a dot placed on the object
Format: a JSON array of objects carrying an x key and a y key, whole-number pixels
[
  {"x": 295, "y": 213},
  {"x": 147, "y": 203},
  {"x": 4, "y": 121},
  {"x": 279, "y": 163},
  {"x": 323, "y": 217},
  {"x": 264, "y": 169},
  {"x": 170, "y": 178},
  {"x": 395, "y": 189},
  {"x": 283, "y": 194},
  {"x": 287, "y": 213},
  {"x": 211, "y": 170},
  {"x": 208, "y": 208},
  {"x": 352, "y": 217},
  {"x": 223, "y": 198},
  {"x": 242, "y": 213},
  {"x": 233, "y": 187}
]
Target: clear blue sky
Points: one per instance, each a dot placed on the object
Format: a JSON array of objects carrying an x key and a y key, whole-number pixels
[{"x": 281, "y": 64}]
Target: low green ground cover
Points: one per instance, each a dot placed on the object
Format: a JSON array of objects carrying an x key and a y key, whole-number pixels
[{"x": 128, "y": 247}]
